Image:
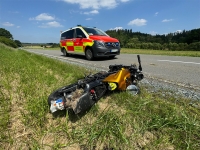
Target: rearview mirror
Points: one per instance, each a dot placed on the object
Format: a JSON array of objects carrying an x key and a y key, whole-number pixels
[{"x": 132, "y": 89}]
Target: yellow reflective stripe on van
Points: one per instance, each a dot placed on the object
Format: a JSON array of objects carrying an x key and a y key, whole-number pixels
[
  {"x": 70, "y": 43},
  {"x": 78, "y": 48},
  {"x": 88, "y": 43}
]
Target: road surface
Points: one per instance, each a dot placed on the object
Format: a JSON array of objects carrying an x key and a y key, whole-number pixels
[{"x": 184, "y": 71}]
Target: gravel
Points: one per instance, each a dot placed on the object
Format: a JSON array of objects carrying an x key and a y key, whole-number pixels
[
  {"x": 186, "y": 91},
  {"x": 167, "y": 88}
]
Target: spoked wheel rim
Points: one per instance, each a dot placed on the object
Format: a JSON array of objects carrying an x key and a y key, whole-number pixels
[
  {"x": 65, "y": 53},
  {"x": 89, "y": 54}
]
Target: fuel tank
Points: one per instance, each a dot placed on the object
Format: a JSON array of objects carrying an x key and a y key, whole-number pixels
[{"x": 122, "y": 78}]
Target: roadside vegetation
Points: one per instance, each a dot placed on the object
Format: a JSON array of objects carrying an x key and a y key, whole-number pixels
[
  {"x": 7, "y": 38},
  {"x": 184, "y": 40},
  {"x": 117, "y": 121},
  {"x": 161, "y": 52}
]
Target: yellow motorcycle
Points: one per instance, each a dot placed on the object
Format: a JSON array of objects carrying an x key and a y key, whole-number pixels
[{"x": 81, "y": 95}]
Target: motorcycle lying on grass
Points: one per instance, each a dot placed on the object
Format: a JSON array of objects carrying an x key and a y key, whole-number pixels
[{"x": 83, "y": 94}]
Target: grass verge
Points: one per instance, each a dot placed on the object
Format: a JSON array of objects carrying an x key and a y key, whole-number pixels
[
  {"x": 117, "y": 121},
  {"x": 161, "y": 52}
]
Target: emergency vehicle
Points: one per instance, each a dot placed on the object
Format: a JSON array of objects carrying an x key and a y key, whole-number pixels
[{"x": 88, "y": 41}]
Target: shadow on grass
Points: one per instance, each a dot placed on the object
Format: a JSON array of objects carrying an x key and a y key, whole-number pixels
[{"x": 72, "y": 116}]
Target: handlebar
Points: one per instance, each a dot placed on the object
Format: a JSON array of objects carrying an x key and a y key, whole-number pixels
[
  {"x": 131, "y": 67},
  {"x": 139, "y": 61}
]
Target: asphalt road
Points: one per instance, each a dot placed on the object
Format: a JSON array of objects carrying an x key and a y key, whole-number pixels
[{"x": 184, "y": 71}]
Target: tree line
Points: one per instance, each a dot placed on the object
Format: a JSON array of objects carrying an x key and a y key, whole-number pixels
[
  {"x": 7, "y": 38},
  {"x": 185, "y": 40}
]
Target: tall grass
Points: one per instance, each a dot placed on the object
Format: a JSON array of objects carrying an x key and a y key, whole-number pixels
[{"x": 117, "y": 121}]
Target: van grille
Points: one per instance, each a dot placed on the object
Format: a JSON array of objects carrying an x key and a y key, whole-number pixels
[{"x": 111, "y": 44}]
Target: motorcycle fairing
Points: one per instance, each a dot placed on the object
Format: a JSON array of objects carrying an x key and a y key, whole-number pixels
[
  {"x": 121, "y": 77},
  {"x": 112, "y": 86}
]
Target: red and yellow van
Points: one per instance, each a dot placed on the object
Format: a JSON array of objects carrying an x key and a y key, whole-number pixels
[{"x": 88, "y": 41}]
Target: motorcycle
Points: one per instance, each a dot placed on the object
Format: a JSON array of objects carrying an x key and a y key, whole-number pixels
[{"x": 83, "y": 94}]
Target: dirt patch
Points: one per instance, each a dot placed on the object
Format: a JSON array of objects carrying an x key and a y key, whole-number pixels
[
  {"x": 17, "y": 130},
  {"x": 147, "y": 138},
  {"x": 104, "y": 104},
  {"x": 60, "y": 137}
]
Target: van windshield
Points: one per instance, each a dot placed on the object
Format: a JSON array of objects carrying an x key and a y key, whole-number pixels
[{"x": 95, "y": 31}]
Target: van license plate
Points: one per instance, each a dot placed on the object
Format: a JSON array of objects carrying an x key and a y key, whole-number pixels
[{"x": 114, "y": 50}]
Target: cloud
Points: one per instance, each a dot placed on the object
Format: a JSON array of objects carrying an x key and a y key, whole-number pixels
[
  {"x": 8, "y": 24},
  {"x": 88, "y": 19},
  {"x": 167, "y": 20},
  {"x": 179, "y": 31},
  {"x": 156, "y": 14},
  {"x": 96, "y": 4},
  {"x": 91, "y": 12},
  {"x": 153, "y": 32},
  {"x": 18, "y": 26},
  {"x": 42, "y": 17},
  {"x": 138, "y": 22},
  {"x": 51, "y": 24},
  {"x": 124, "y": 0},
  {"x": 71, "y": 11},
  {"x": 117, "y": 28}
]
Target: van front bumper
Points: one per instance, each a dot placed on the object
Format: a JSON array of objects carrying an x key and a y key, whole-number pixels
[{"x": 103, "y": 51}]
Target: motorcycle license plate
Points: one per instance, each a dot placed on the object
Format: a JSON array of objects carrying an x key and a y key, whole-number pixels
[{"x": 114, "y": 50}]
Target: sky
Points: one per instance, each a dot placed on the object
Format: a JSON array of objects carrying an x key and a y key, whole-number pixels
[{"x": 41, "y": 21}]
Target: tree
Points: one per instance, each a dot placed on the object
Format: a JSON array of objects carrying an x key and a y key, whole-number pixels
[
  {"x": 5, "y": 33},
  {"x": 19, "y": 44},
  {"x": 173, "y": 41},
  {"x": 8, "y": 42}
]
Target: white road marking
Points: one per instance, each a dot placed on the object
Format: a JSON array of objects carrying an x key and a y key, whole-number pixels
[
  {"x": 62, "y": 57},
  {"x": 180, "y": 62}
]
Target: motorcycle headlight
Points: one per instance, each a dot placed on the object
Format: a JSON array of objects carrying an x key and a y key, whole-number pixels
[{"x": 100, "y": 43}]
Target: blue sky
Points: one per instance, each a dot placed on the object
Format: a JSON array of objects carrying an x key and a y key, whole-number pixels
[{"x": 40, "y": 21}]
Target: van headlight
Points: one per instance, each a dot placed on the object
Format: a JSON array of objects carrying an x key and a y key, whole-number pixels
[{"x": 100, "y": 43}]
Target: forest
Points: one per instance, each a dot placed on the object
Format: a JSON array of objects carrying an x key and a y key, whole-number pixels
[{"x": 185, "y": 40}]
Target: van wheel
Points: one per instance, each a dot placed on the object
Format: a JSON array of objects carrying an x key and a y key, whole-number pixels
[
  {"x": 89, "y": 54},
  {"x": 65, "y": 52}
]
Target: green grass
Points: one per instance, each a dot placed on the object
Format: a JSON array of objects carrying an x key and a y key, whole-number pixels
[
  {"x": 39, "y": 47},
  {"x": 117, "y": 121},
  {"x": 161, "y": 52}
]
